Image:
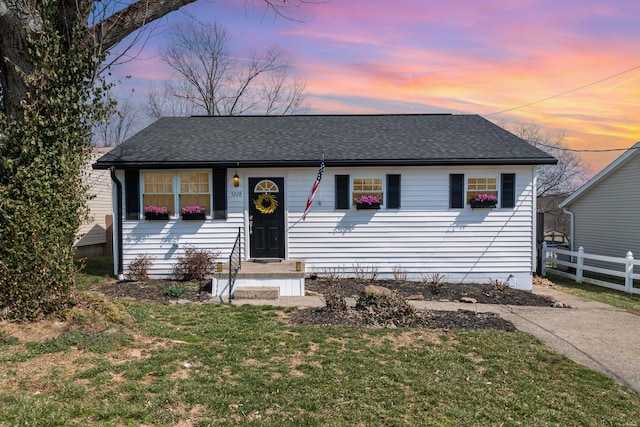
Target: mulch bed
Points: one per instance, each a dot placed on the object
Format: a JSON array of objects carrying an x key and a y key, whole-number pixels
[
  {"x": 155, "y": 292},
  {"x": 483, "y": 293}
]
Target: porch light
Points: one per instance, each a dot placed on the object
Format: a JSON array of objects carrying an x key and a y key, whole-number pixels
[{"x": 236, "y": 180}]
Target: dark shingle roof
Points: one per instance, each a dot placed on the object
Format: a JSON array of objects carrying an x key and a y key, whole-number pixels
[{"x": 270, "y": 141}]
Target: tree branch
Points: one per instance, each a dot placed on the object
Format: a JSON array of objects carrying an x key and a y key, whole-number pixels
[{"x": 116, "y": 27}]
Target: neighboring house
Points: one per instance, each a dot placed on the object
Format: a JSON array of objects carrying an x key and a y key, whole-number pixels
[
  {"x": 94, "y": 237},
  {"x": 605, "y": 210},
  {"x": 424, "y": 168}
]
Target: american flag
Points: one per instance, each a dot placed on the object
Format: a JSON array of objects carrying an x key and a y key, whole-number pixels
[{"x": 314, "y": 189}]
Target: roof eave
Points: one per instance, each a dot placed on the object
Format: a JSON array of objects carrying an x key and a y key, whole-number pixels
[
  {"x": 600, "y": 176},
  {"x": 328, "y": 163}
]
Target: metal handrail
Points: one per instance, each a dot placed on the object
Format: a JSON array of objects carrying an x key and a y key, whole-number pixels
[{"x": 234, "y": 262}]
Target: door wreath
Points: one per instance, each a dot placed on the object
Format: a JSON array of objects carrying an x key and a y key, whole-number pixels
[{"x": 270, "y": 208}]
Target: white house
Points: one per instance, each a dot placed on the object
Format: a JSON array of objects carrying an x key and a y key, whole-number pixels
[
  {"x": 253, "y": 174},
  {"x": 604, "y": 211}
]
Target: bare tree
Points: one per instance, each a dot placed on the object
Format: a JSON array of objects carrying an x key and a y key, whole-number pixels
[
  {"x": 567, "y": 175},
  {"x": 118, "y": 127},
  {"x": 160, "y": 103},
  {"x": 211, "y": 80},
  {"x": 96, "y": 24}
]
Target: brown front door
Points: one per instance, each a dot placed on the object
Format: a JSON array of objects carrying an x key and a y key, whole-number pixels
[{"x": 266, "y": 217}]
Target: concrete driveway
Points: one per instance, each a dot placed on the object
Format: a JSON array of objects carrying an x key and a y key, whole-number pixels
[{"x": 596, "y": 335}]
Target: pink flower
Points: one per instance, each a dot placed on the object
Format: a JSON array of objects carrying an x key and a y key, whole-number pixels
[
  {"x": 158, "y": 210},
  {"x": 485, "y": 198},
  {"x": 192, "y": 210},
  {"x": 368, "y": 199}
]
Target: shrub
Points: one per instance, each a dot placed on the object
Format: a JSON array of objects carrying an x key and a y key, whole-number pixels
[
  {"x": 433, "y": 281},
  {"x": 332, "y": 274},
  {"x": 138, "y": 269},
  {"x": 499, "y": 286},
  {"x": 195, "y": 265},
  {"x": 334, "y": 301},
  {"x": 175, "y": 290},
  {"x": 399, "y": 275},
  {"x": 383, "y": 307},
  {"x": 364, "y": 274}
]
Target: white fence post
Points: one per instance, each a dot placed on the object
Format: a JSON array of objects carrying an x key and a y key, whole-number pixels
[
  {"x": 543, "y": 261},
  {"x": 628, "y": 281},
  {"x": 580, "y": 264}
]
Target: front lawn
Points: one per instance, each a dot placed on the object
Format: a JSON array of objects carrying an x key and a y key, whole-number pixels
[
  {"x": 129, "y": 363},
  {"x": 218, "y": 365}
]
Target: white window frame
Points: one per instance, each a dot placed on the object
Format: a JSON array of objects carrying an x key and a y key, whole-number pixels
[
  {"x": 481, "y": 176},
  {"x": 176, "y": 188},
  {"x": 367, "y": 176}
]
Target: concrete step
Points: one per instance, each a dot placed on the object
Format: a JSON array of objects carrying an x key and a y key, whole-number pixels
[{"x": 257, "y": 293}]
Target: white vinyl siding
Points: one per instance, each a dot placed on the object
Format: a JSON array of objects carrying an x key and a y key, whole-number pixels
[
  {"x": 606, "y": 217},
  {"x": 422, "y": 237},
  {"x": 425, "y": 236}
]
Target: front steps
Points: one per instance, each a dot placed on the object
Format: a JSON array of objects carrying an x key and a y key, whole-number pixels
[
  {"x": 257, "y": 293},
  {"x": 262, "y": 279}
]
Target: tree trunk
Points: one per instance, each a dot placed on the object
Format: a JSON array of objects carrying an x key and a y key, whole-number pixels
[
  {"x": 14, "y": 59},
  {"x": 18, "y": 19}
]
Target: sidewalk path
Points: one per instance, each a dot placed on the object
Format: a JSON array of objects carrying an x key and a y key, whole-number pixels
[{"x": 596, "y": 335}]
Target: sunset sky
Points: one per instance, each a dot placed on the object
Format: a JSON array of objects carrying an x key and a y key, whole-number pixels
[{"x": 569, "y": 66}]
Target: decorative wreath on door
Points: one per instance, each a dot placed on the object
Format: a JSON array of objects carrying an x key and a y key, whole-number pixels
[{"x": 269, "y": 208}]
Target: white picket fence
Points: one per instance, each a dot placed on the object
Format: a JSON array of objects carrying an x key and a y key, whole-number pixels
[{"x": 555, "y": 257}]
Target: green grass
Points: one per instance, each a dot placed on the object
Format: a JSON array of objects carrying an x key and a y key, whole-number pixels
[
  {"x": 612, "y": 297},
  {"x": 93, "y": 271},
  {"x": 221, "y": 365}
]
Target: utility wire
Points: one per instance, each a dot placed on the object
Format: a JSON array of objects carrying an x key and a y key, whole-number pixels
[
  {"x": 604, "y": 150},
  {"x": 566, "y": 92}
]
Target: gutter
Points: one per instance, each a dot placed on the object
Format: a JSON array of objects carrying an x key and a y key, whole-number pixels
[
  {"x": 114, "y": 178},
  {"x": 272, "y": 163}
]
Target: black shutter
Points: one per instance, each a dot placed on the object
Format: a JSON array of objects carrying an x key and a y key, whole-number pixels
[
  {"x": 219, "y": 193},
  {"x": 132, "y": 193},
  {"x": 456, "y": 191},
  {"x": 508, "y": 188},
  {"x": 342, "y": 192},
  {"x": 393, "y": 192}
]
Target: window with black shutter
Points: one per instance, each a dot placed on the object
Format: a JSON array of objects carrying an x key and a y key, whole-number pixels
[
  {"x": 508, "y": 193},
  {"x": 132, "y": 193},
  {"x": 219, "y": 193},
  {"x": 342, "y": 192},
  {"x": 456, "y": 191},
  {"x": 393, "y": 192}
]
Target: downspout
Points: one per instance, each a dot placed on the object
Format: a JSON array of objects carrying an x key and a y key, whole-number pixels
[
  {"x": 114, "y": 178},
  {"x": 571, "y": 227}
]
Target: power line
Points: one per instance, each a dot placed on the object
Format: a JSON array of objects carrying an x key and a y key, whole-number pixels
[
  {"x": 566, "y": 92},
  {"x": 604, "y": 150}
]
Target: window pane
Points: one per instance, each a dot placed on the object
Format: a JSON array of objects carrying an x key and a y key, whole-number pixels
[
  {"x": 366, "y": 187},
  {"x": 477, "y": 186},
  {"x": 158, "y": 190},
  {"x": 194, "y": 190}
]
